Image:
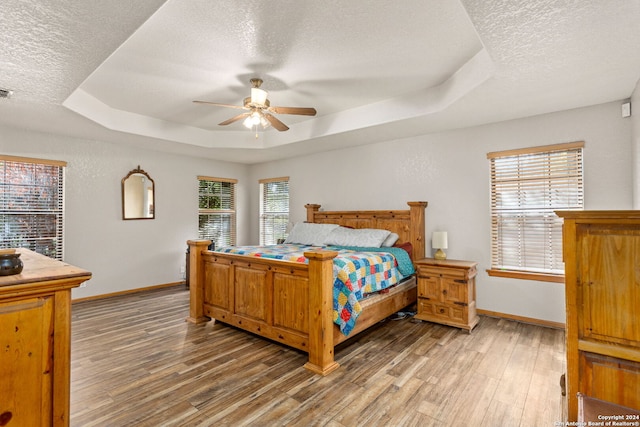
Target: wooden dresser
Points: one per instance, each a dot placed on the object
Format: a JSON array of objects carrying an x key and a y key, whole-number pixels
[
  {"x": 35, "y": 335},
  {"x": 447, "y": 292},
  {"x": 602, "y": 273}
]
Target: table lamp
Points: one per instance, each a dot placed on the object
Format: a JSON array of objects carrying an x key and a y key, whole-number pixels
[{"x": 439, "y": 242}]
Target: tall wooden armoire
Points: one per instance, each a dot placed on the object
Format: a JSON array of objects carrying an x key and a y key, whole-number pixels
[{"x": 602, "y": 271}]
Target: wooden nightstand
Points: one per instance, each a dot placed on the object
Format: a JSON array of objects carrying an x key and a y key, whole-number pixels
[{"x": 447, "y": 292}]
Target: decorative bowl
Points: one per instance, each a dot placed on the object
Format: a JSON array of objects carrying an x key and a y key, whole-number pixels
[{"x": 10, "y": 264}]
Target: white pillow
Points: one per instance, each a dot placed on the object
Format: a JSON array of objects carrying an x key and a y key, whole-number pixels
[
  {"x": 390, "y": 240},
  {"x": 308, "y": 233},
  {"x": 361, "y": 237}
]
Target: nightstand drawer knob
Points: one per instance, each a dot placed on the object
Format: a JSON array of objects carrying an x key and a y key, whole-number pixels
[
  {"x": 444, "y": 292},
  {"x": 442, "y": 311}
]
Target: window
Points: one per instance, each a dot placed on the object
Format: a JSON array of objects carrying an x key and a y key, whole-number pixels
[
  {"x": 274, "y": 210},
  {"x": 527, "y": 186},
  {"x": 32, "y": 205},
  {"x": 217, "y": 210}
]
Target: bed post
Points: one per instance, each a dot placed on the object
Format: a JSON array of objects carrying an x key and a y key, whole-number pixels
[
  {"x": 321, "y": 312},
  {"x": 417, "y": 231},
  {"x": 311, "y": 211},
  {"x": 196, "y": 276}
]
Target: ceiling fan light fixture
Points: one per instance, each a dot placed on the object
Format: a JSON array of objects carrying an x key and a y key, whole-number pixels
[
  {"x": 254, "y": 119},
  {"x": 248, "y": 123}
]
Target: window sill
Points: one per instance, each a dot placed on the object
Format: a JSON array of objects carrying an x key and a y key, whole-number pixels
[{"x": 525, "y": 275}]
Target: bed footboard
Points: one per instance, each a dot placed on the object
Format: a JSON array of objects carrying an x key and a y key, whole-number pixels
[{"x": 288, "y": 302}]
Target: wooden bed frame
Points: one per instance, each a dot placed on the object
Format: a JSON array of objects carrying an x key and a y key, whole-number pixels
[{"x": 292, "y": 303}]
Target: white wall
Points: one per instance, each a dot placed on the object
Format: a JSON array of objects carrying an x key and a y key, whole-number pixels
[
  {"x": 450, "y": 171},
  {"x": 124, "y": 255}
]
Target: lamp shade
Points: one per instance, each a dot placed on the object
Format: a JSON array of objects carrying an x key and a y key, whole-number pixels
[
  {"x": 439, "y": 240},
  {"x": 258, "y": 96}
]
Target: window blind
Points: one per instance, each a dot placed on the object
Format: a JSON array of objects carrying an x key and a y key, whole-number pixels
[
  {"x": 274, "y": 210},
  {"x": 527, "y": 186},
  {"x": 32, "y": 205},
  {"x": 217, "y": 210}
]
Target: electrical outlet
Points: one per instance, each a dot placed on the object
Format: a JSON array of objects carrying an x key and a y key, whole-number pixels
[
  {"x": 182, "y": 269},
  {"x": 83, "y": 285}
]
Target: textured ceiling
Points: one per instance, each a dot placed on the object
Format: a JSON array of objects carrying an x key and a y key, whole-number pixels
[{"x": 127, "y": 72}]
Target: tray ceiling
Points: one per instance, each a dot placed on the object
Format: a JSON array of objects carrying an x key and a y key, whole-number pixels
[{"x": 127, "y": 72}]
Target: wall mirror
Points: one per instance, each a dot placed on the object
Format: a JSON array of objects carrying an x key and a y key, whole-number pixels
[{"x": 138, "y": 195}]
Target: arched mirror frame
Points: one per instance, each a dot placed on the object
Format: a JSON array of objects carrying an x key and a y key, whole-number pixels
[{"x": 143, "y": 198}]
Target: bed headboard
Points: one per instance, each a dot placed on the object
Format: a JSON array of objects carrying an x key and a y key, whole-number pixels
[{"x": 409, "y": 224}]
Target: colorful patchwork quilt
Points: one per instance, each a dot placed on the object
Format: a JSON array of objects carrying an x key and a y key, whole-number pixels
[{"x": 356, "y": 274}]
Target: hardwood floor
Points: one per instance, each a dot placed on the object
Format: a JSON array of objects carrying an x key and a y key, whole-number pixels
[{"x": 136, "y": 362}]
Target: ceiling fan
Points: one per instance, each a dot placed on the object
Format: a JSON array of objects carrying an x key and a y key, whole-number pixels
[{"x": 259, "y": 110}]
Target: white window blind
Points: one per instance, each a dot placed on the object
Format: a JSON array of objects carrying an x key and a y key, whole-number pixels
[
  {"x": 274, "y": 210},
  {"x": 527, "y": 186},
  {"x": 32, "y": 205},
  {"x": 217, "y": 210}
]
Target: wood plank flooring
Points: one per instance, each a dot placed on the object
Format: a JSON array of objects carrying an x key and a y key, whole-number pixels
[{"x": 136, "y": 362}]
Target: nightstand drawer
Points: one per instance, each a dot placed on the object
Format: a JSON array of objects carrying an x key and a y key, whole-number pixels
[
  {"x": 433, "y": 272},
  {"x": 426, "y": 307},
  {"x": 445, "y": 312},
  {"x": 457, "y": 313}
]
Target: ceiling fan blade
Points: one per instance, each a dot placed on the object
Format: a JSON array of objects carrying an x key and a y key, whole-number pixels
[
  {"x": 302, "y": 111},
  {"x": 222, "y": 105},
  {"x": 234, "y": 119},
  {"x": 275, "y": 122}
]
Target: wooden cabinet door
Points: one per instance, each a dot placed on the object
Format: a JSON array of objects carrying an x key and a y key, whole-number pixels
[
  {"x": 609, "y": 292},
  {"x": 429, "y": 287},
  {"x": 455, "y": 291},
  {"x": 610, "y": 285},
  {"x": 26, "y": 361}
]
